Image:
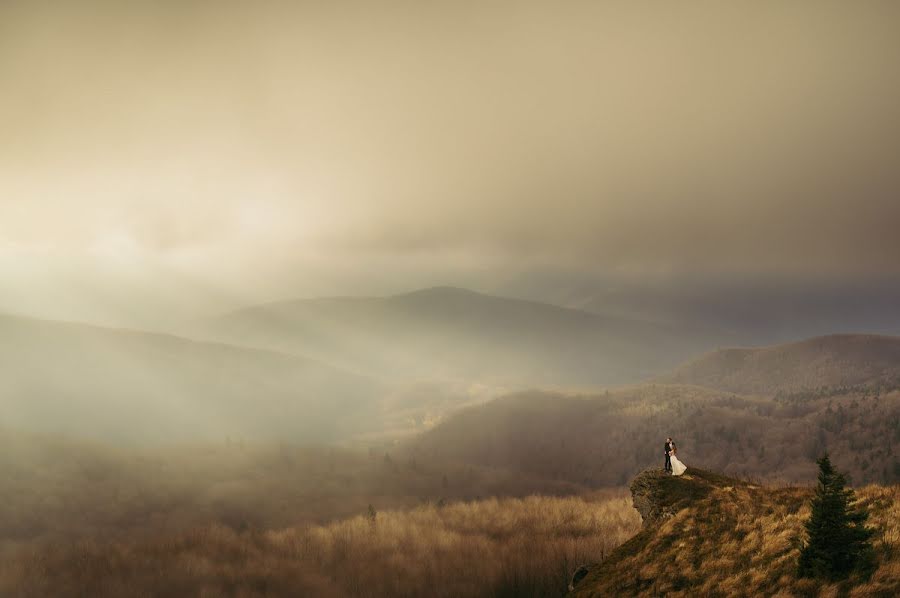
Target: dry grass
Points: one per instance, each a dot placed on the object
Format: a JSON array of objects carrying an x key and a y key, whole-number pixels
[
  {"x": 509, "y": 547},
  {"x": 743, "y": 540}
]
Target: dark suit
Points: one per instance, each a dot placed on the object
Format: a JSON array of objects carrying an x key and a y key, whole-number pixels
[{"x": 668, "y": 450}]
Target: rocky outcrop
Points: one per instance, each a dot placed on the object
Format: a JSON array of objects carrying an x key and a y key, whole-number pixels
[
  {"x": 642, "y": 566},
  {"x": 657, "y": 495},
  {"x": 645, "y": 496}
]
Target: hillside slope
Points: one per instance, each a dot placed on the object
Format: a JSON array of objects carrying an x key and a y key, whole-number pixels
[
  {"x": 709, "y": 535},
  {"x": 455, "y": 333},
  {"x": 129, "y": 385},
  {"x": 826, "y": 361},
  {"x": 601, "y": 439}
]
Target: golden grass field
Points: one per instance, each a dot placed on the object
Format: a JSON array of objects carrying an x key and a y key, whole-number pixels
[{"x": 507, "y": 547}]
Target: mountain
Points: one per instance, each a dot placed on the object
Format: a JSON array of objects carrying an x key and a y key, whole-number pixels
[
  {"x": 706, "y": 534},
  {"x": 602, "y": 439},
  {"x": 453, "y": 333},
  {"x": 130, "y": 385},
  {"x": 827, "y": 361}
]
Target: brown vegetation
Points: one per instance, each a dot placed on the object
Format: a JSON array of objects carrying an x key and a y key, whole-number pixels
[
  {"x": 714, "y": 536},
  {"x": 510, "y": 547}
]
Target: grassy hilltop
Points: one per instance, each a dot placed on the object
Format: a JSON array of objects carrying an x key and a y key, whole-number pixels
[{"x": 708, "y": 535}]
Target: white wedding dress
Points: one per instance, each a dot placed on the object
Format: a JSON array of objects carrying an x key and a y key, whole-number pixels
[{"x": 678, "y": 467}]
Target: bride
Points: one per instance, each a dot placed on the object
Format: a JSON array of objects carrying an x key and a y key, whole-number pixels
[{"x": 678, "y": 467}]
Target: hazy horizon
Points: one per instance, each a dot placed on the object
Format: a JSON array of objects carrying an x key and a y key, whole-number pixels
[{"x": 164, "y": 162}]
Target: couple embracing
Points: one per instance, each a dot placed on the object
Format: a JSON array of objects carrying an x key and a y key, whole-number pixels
[{"x": 673, "y": 465}]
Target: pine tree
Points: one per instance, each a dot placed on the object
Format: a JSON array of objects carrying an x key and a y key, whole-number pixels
[{"x": 838, "y": 543}]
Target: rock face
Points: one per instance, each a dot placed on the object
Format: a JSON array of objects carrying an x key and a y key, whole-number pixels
[
  {"x": 645, "y": 495},
  {"x": 657, "y": 495}
]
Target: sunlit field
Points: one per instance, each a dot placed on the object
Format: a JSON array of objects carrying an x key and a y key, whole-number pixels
[{"x": 505, "y": 547}]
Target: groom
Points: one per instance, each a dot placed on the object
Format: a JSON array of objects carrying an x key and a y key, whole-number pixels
[{"x": 668, "y": 450}]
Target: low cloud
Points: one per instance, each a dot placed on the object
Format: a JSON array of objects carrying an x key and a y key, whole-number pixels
[{"x": 296, "y": 142}]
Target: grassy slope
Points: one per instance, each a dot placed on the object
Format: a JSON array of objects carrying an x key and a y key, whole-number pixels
[{"x": 714, "y": 536}]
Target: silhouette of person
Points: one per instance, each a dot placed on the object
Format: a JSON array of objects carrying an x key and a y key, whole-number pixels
[{"x": 668, "y": 448}]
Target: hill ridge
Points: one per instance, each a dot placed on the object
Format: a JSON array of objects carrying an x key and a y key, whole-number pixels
[
  {"x": 843, "y": 359},
  {"x": 99, "y": 380},
  {"x": 455, "y": 333},
  {"x": 125, "y": 331},
  {"x": 434, "y": 292}
]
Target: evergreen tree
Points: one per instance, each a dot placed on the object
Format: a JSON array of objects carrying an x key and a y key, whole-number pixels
[{"x": 838, "y": 543}]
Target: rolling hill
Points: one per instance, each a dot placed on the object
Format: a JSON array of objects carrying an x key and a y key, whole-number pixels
[
  {"x": 127, "y": 385},
  {"x": 826, "y": 361},
  {"x": 452, "y": 333},
  {"x": 602, "y": 439}
]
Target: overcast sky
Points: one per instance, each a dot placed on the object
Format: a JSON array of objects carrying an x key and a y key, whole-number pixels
[{"x": 256, "y": 150}]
